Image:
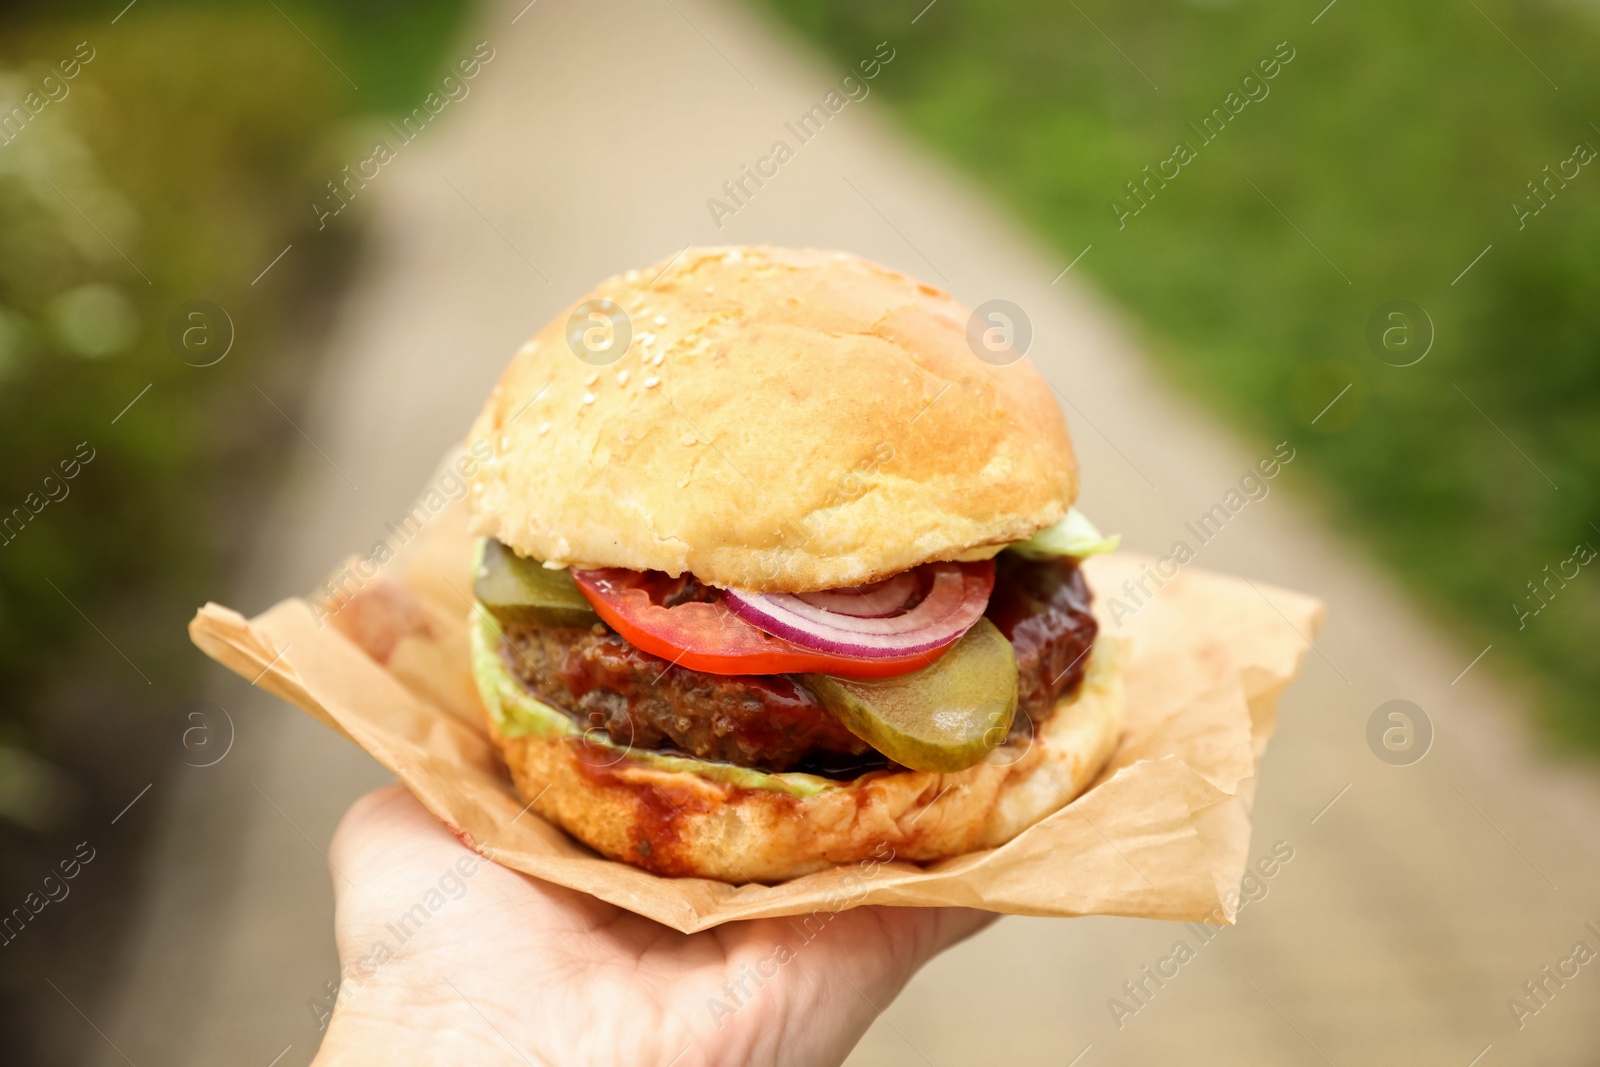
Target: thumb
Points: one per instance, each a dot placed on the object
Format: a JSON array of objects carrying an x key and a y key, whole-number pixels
[{"x": 387, "y": 851}]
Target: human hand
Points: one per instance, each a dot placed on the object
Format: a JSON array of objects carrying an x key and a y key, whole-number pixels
[{"x": 509, "y": 969}]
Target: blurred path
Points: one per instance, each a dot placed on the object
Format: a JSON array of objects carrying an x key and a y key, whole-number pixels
[{"x": 1418, "y": 900}]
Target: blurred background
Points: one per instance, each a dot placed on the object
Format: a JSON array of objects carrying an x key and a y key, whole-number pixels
[{"x": 1369, "y": 230}]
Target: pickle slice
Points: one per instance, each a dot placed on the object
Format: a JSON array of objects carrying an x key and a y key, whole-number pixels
[
  {"x": 942, "y": 718},
  {"x": 519, "y": 591}
]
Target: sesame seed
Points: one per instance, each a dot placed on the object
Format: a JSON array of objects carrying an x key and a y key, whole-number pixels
[
  {"x": 651, "y": 382},
  {"x": 655, "y": 360},
  {"x": 622, "y": 377},
  {"x": 588, "y": 398},
  {"x": 591, "y": 379},
  {"x": 544, "y": 428},
  {"x": 660, "y": 320}
]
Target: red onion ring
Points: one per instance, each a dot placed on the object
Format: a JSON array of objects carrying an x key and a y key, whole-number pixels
[
  {"x": 873, "y": 601},
  {"x": 956, "y": 598}
]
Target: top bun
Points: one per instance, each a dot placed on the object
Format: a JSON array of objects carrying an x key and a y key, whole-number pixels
[{"x": 782, "y": 420}]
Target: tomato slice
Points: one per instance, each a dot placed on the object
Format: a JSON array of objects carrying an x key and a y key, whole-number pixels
[{"x": 706, "y": 636}]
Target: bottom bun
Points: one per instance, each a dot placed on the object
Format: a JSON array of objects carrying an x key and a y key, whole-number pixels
[{"x": 668, "y": 816}]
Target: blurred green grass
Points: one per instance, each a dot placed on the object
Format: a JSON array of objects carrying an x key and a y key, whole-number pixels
[
  {"x": 181, "y": 160},
  {"x": 1396, "y": 140}
]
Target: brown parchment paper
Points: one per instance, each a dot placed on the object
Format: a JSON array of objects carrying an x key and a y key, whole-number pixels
[{"x": 1162, "y": 834}]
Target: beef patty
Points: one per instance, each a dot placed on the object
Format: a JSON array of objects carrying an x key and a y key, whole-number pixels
[
  {"x": 767, "y": 721},
  {"x": 1042, "y": 606},
  {"x": 773, "y": 722}
]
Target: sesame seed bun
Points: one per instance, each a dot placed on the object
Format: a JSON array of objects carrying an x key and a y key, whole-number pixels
[{"x": 779, "y": 420}]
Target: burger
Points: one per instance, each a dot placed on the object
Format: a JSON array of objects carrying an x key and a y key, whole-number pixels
[{"x": 778, "y": 570}]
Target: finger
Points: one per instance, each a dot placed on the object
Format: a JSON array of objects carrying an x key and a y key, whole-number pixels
[
  {"x": 387, "y": 827},
  {"x": 952, "y": 926},
  {"x": 389, "y": 848},
  {"x": 919, "y": 934},
  {"x": 384, "y": 848},
  {"x": 848, "y": 966}
]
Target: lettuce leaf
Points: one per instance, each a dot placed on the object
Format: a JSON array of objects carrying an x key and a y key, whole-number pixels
[{"x": 1074, "y": 535}]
